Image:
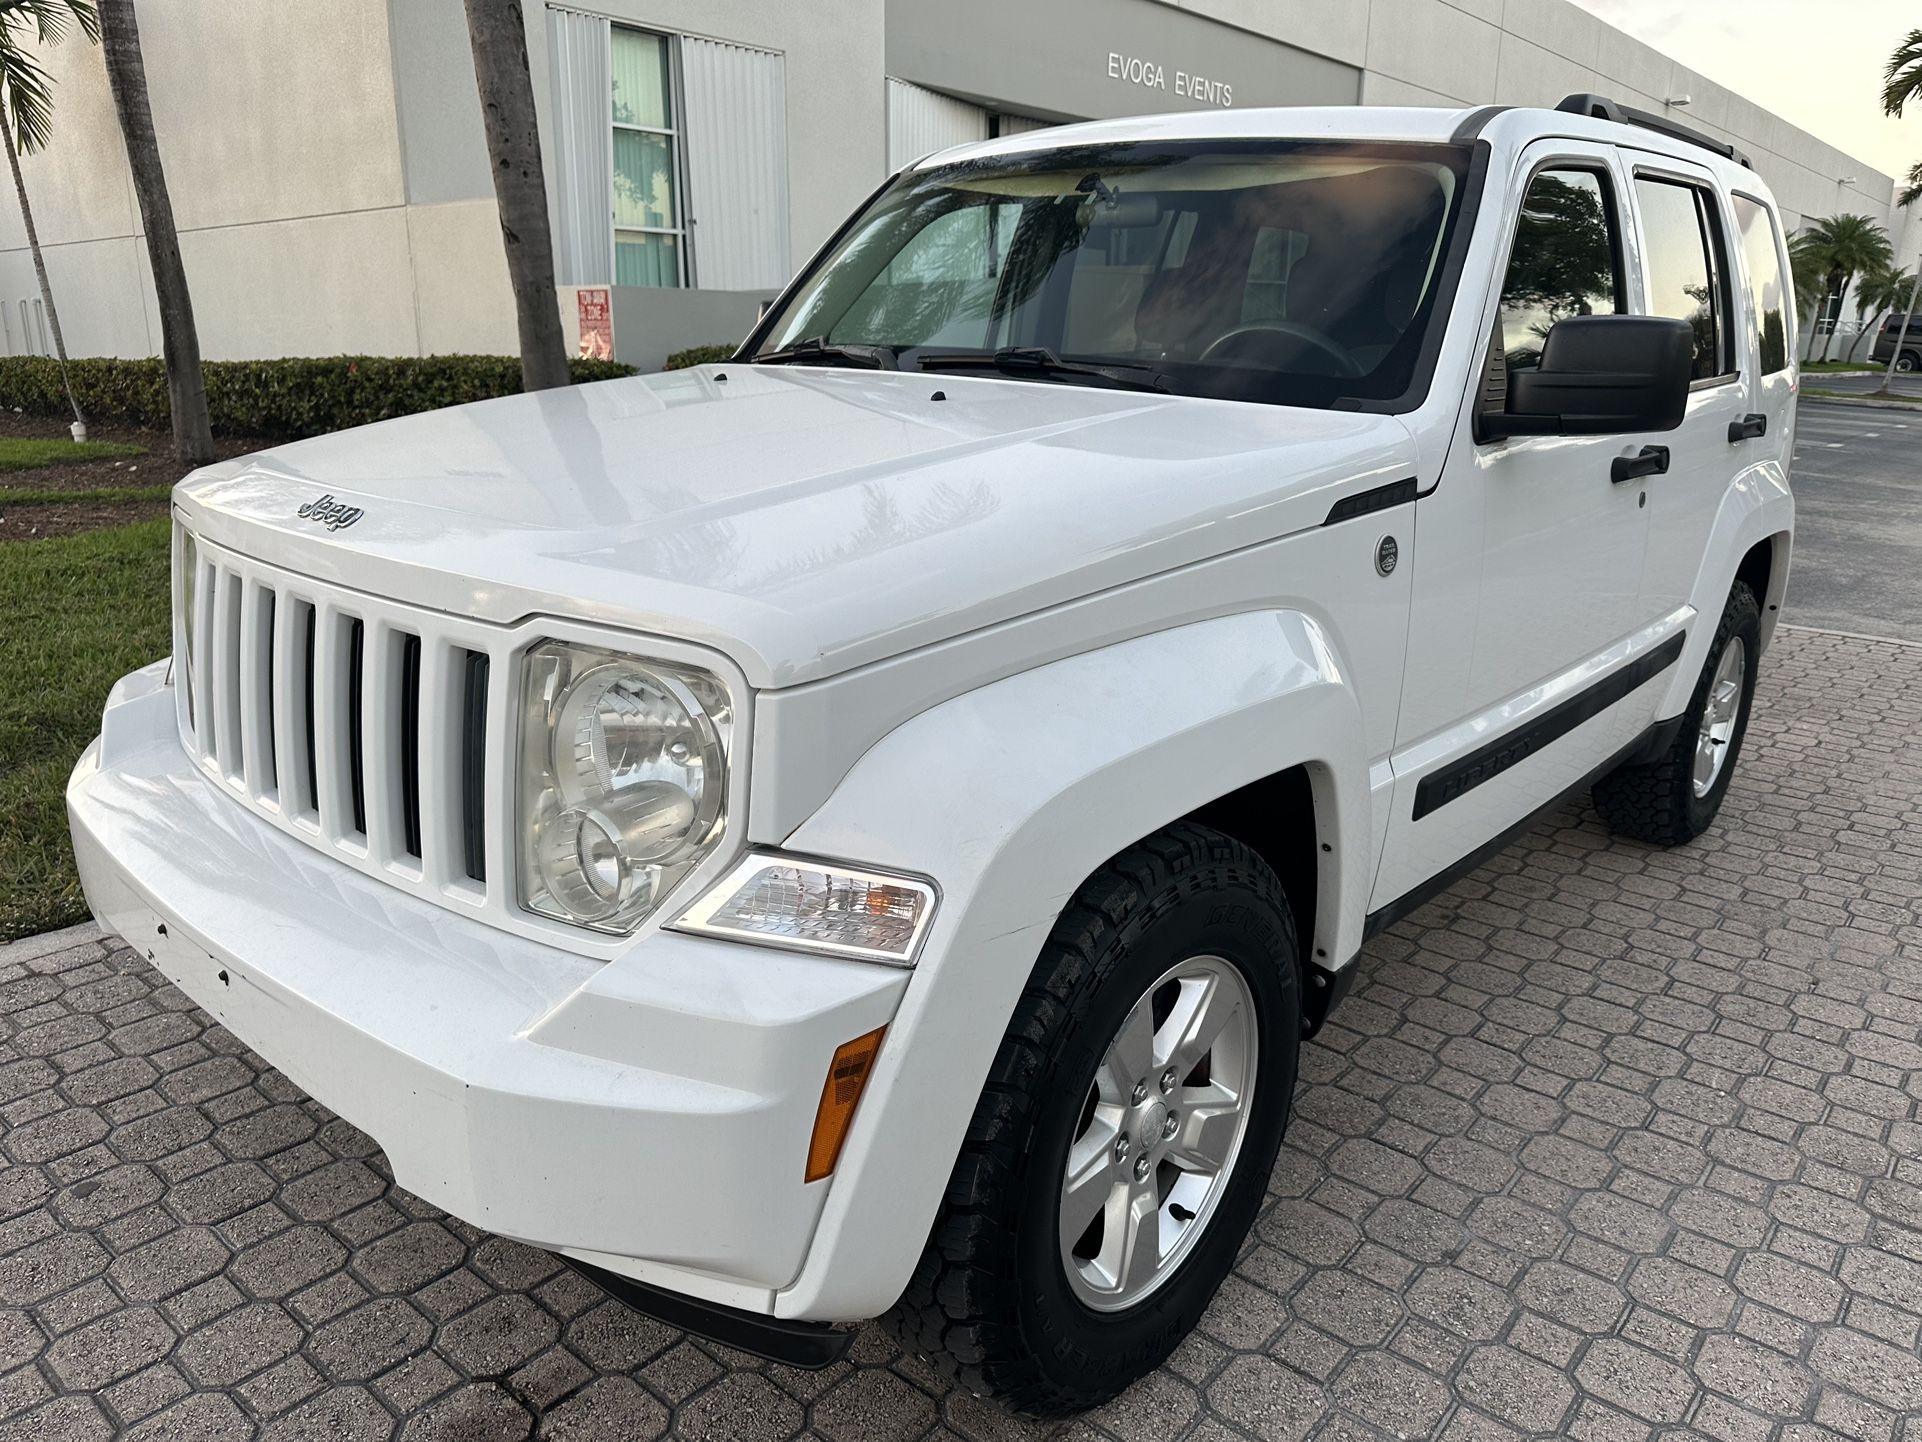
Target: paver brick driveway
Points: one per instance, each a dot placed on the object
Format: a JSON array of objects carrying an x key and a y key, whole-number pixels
[{"x": 1608, "y": 1143}]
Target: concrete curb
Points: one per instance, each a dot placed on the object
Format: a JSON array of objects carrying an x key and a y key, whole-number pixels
[
  {"x": 1867, "y": 403},
  {"x": 31, "y": 948},
  {"x": 1850, "y": 635}
]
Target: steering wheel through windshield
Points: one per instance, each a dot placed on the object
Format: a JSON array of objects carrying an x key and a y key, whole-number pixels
[{"x": 1248, "y": 341}]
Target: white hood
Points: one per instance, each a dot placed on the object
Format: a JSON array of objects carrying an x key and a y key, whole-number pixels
[{"x": 802, "y": 520}]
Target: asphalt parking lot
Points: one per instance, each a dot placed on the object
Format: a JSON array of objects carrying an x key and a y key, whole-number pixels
[
  {"x": 1609, "y": 1143},
  {"x": 1858, "y": 507}
]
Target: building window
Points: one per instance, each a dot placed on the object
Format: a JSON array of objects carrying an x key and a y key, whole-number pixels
[{"x": 649, "y": 232}]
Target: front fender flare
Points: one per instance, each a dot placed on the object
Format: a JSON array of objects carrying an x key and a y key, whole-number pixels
[{"x": 1009, "y": 797}]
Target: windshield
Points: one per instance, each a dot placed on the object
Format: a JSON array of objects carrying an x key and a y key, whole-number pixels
[{"x": 1290, "y": 272}]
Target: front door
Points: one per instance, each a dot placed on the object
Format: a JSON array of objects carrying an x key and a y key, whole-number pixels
[{"x": 1528, "y": 575}]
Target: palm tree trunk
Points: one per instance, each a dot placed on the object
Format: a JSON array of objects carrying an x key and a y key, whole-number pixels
[
  {"x": 1902, "y": 337},
  {"x": 1841, "y": 293},
  {"x": 40, "y": 271},
  {"x": 496, "y": 29},
  {"x": 1856, "y": 345},
  {"x": 179, "y": 341}
]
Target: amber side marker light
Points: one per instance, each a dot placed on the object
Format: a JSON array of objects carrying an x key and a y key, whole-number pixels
[{"x": 847, "y": 1078}]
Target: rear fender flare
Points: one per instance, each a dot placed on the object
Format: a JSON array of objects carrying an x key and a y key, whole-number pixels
[{"x": 1757, "y": 505}]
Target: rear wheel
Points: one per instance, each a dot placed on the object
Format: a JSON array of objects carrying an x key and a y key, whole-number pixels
[
  {"x": 1674, "y": 799},
  {"x": 1908, "y": 361},
  {"x": 1123, "y": 1142}
]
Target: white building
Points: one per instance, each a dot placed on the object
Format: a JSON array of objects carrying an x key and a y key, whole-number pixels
[{"x": 331, "y": 185}]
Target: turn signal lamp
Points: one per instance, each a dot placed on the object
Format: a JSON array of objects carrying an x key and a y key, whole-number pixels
[
  {"x": 847, "y": 1078},
  {"x": 819, "y": 907}
]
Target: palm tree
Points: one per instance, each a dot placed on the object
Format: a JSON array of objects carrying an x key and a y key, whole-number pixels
[
  {"x": 1911, "y": 190},
  {"x": 26, "y": 122},
  {"x": 1901, "y": 83},
  {"x": 1902, "y": 78},
  {"x": 1840, "y": 247},
  {"x": 1881, "y": 292},
  {"x": 496, "y": 29},
  {"x": 127, "y": 79}
]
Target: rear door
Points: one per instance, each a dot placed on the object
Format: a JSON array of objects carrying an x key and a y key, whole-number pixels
[{"x": 1683, "y": 232}]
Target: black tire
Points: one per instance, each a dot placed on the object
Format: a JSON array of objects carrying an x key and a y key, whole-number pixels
[
  {"x": 1909, "y": 361},
  {"x": 1656, "y": 802},
  {"x": 990, "y": 1302}
]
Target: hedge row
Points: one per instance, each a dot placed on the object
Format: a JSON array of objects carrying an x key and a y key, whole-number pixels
[
  {"x": 698, "y": 355},
  {"x": 298, "y": 396}
]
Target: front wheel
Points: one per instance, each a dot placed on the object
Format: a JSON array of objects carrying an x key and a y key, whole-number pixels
[
  {"x": 1122, "y": 1144},
  {"x": 1674, "y": 799}
]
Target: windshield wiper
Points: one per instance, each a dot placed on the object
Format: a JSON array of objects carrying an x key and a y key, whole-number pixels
[
  {"x": 1038, "y": 360},
  {"x": 814, "y": 348}
]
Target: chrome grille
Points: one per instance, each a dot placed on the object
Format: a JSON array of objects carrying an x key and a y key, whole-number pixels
[{"x": 358, "y": 724}]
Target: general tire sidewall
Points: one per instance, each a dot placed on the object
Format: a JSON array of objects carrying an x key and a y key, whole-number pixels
[{"x": 1213, "y": 911}]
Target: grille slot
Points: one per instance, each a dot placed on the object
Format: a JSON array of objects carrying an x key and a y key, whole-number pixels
[
  {"x": 232, "y": 744},
  {"x": 473, "y": 770},
  {"x": 356, "y": 728},
  {"x": 257, "y": 691},
  {"x": 358, "y": 725},
  {"x": 410, "y": 744},
  {"x": 309, "y": 807}
]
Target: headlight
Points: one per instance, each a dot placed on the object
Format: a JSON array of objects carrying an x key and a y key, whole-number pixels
[
  {"x": 623, "y": 782},
  {"x": 817, "y": 906}
]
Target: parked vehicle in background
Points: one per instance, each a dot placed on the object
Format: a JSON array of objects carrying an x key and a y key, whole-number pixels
[
  {"x": 866, "y": 827},
  {"x": 1891, "y": 333}
]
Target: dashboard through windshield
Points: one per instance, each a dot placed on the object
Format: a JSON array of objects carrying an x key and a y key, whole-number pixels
[{"x": 1297, "y": 273}]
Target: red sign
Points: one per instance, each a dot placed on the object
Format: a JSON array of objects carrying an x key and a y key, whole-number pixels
[{"x": 597, "y": 323}]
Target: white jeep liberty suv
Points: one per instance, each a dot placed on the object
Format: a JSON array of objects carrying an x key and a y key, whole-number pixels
[{"x": 865, "y": 827}]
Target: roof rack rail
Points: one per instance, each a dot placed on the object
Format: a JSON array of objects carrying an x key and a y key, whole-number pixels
[{"x": 1600, "y": 107}]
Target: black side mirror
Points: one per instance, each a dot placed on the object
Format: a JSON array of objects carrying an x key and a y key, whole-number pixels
[{"x": 1600, "y": 375}]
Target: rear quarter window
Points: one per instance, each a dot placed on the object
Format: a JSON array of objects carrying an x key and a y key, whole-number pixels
[{"x": 1768, "y": 295}]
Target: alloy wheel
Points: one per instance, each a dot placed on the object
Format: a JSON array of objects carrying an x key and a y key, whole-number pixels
[
  {"x": 1159, "y": 1133},
  {"x": 1719, "y": 714}
]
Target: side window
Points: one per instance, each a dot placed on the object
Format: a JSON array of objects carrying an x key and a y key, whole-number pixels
[
  {"x": 1566, "y": 261},
  {"x": 1686, "y": 267},
  {"x": 1762, "y": 250}
]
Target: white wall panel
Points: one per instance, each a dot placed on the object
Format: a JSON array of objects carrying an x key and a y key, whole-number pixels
[
  {"x": 583, "y": 147},
  {"x": 735, "y": 134},
  {"x": 921, "y": 120}
]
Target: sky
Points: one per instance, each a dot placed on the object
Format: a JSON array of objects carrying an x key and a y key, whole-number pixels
[{"x": 1816, "y": 63}]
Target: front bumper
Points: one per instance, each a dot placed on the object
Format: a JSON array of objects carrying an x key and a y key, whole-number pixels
[{"x": 648, "y": 1116}]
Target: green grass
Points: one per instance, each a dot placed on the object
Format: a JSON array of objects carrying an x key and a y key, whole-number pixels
[
  {"x": 1816, "y": 368},
  {"x": 1860, "y": 396},
  {"x": 81, "y": 611},
  {"x": 23, "y": 453},
  {"x": 103, "y": 495}
]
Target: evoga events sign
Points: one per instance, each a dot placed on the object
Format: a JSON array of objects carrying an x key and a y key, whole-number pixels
[{"x": 1153, "y": 75}]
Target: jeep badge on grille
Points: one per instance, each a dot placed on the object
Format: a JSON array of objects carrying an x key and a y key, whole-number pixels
[{"x": 329, "y": 512}]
